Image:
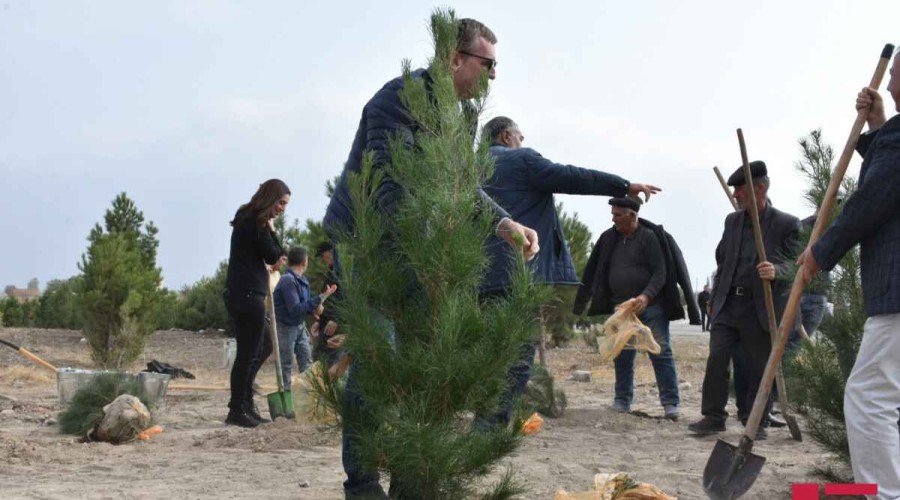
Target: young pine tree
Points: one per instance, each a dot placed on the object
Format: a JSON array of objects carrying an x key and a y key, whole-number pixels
[
  {"x": 428, "y": 351},
  {"x": 818, "y": 375}
]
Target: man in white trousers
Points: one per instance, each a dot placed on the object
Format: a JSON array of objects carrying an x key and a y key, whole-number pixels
[{"x": 871, "y": 218}]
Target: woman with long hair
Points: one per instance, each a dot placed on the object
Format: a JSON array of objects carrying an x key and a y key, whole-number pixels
[{"x": 253, "y": 245}]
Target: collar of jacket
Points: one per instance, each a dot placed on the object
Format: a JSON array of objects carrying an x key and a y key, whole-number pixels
[{"x": 301, "y": 279}]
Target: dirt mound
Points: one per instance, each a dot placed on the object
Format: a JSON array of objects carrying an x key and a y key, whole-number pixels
[{"x": 279, "y": 435}]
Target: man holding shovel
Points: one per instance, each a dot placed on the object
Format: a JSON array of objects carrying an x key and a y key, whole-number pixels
[
  {"x": 871, "y": 218},
  {"x": 738, "y": 308}
]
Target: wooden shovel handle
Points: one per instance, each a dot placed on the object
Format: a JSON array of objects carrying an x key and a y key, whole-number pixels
[
  {"x": 752, "y": 425},
  {"x": 28, "y": 355},
  {"x": 725, "y": 188},
  {"x": 793, "y": 303},
  {"x": 34, "y": 359},
  {"x": 273, "y": 331}
]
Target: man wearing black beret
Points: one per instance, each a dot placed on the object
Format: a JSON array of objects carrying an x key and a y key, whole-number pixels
[
  {"x": 639, "y": 261},
  {"x": 738, "y": 316}
]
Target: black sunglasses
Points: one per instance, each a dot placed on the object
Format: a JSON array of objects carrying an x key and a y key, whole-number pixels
[{"x": 489, "y": 63}]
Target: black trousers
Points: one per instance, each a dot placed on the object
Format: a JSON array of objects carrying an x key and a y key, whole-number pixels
[
  {"x": 265, "y": 350},
  {"x": 735, "y": 327},
  {"x": 248, "y": 312}
]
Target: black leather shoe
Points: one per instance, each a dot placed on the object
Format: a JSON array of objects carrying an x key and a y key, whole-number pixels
[
  {"x": 253, "y": 411},
  {"x": 241, "y": 419},
  {"x": 707, "y": 426},
  {"x": 761, "y": 433}
]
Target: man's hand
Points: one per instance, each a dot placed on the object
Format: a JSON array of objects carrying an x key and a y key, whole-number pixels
[
  {"x": 808, "y": 265},
  {"x": 314, "y": 330},
  {"x": 640, "y": 302},
  {"x": 635, "y": 189},
  {"x": 278, "y": 264},
  {"x": 870, "y": 98},
  {"x": 330, "y": 328},
  {"x": 319, "y": 310},
  {"x": 766, "y": 271},
  {"x": 329, "y": 290},
  {"x": 508, "y": 228}
]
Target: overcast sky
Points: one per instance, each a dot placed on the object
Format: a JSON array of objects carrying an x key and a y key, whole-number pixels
[{"x": 188, "y": 105}]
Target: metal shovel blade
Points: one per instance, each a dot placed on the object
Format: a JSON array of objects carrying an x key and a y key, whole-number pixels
[
  {"x": 793, "y": 426},
  {"x": 731, "y": 470},
  {"x": 281, "y": 404}
]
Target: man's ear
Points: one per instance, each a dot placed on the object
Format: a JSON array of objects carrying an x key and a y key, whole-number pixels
[{"x": 456, "y": 61}]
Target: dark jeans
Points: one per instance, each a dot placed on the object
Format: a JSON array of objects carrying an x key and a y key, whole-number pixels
[
  {"x": 360, "y": 481},
  {"x": 663, "y": 363},
  {"x": 293, "y": 340},
  {"x": 518, "y": 376},
  {"x": 735, "y": 327},
  {"x": 248, "y": 312}
]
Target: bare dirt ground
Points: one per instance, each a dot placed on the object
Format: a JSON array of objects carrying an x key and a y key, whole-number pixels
[{"x": 199, "y": 457}]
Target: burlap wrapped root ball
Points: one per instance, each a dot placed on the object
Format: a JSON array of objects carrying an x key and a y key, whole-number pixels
[{"x": 122, "y": 421}]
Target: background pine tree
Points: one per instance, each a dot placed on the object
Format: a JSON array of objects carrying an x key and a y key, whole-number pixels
[
  {"x": 120, "y": 285},
  {"x": 428, "y": 353},
  {"x": 818, "y": 375}
]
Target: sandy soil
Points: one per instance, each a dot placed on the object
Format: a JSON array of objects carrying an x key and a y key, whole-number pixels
[{"x": 199, "y": 457}]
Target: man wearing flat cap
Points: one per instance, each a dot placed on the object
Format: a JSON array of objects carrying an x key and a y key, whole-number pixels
[
  {"x": 738, "y": 317},
  {"x": 524, "y": 183},
  {"x": 639, "y": 261}
]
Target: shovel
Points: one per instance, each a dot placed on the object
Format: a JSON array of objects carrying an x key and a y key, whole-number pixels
[
  {"x": 30, "y": 356},
  {"x": 767, "y": 291},
  {"x": 725, "y": 188},
  {"x": 280, "y": 402},
  {"x": 731, "y": 470}
]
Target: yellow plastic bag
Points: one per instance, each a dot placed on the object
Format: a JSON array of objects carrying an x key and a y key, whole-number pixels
[
  {"x": 623, "y": 330},
  {"x": 616, "y": 486}
]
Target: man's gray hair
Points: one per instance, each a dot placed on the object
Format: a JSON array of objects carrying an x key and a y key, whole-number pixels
[
  {"x": 468, "y": 33},
  {"x": 497, "y": 126},
  {"x": 764, "y": 180}
]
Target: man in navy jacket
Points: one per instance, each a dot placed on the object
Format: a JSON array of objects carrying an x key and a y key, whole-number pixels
[
  {"x": 523, "y": 183},
  {"x": 871, "y": 218},
  {"x": 385, "y": 117},
  {"x": 293, "y": 302}
]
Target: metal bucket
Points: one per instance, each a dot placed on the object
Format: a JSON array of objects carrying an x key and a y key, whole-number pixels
[
  {"x": 69, "y": 380},
  {"x": 153, "y": 386}
]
